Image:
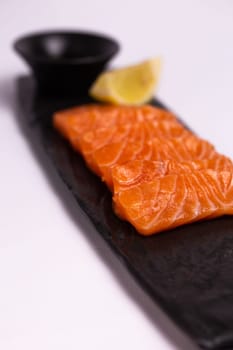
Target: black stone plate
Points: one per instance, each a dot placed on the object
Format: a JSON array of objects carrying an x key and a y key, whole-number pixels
[{"x": 188, "y": 271}]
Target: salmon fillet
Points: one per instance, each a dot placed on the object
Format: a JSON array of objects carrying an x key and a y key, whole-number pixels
[
  {"x": 161, "y": 174},
  {"x": 74, "y": 122},
  {"x": 140, "y": 133},
  {"x": 186, "y": 148},
  {"x": 157, "y": 196},
  {"x": 134, "y": 172}
]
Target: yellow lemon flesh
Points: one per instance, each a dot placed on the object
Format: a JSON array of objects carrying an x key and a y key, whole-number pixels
[{"x": 133, "y": 85}]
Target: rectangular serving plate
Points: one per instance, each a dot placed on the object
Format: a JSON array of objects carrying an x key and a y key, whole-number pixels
[{"x": 187, "y": 271}]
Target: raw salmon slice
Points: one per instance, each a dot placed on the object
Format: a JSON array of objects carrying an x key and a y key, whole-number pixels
[
  {"x": 74, "y": 122},
  {"x": 161, "y": 174},
  {"x": 155, "y": 204},
  {"x": 140, "y": 132},
  {"x": 183, "y": 149},
  {"x": 136, "y": 171}
]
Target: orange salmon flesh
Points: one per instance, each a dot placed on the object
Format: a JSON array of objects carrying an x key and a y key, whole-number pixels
[{"x": 161, "y": 174}]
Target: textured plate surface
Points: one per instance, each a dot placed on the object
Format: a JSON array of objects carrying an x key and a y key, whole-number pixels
[{"x": 188, "y": 271}]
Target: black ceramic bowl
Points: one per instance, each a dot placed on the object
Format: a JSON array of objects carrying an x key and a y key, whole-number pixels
[{"x": 64, "y": 61}]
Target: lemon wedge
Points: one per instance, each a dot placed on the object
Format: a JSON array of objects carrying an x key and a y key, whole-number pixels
[{"x": 133, "y": 85}]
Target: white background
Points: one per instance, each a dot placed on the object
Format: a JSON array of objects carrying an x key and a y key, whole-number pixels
[{"x": 60, "y": 286}]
